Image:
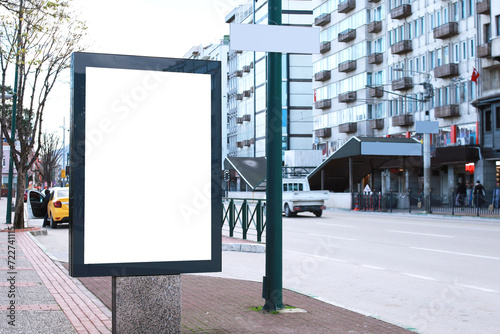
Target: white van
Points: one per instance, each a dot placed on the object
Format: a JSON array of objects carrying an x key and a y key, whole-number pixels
[{"x": 298, "y": 197}]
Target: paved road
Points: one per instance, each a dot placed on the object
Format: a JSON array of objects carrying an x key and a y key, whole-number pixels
[{"x": 431, "y": 273}]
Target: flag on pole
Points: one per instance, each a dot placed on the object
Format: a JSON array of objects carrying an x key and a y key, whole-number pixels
[{"x": 475, "y": 75}]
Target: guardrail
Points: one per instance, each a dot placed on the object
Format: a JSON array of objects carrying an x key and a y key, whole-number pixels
[
  {"x": 454, "y": 204},
  {"x": 243, "y": 213}
]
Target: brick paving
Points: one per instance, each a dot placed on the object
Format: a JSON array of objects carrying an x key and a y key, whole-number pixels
[{"x": 221, "y": 305}]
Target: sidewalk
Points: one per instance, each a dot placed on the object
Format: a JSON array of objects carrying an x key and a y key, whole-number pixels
[{"x": 47, "y": 300}]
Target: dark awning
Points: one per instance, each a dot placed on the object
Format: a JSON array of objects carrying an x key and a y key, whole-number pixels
[
  {"x": 457, "y": 154},
  {"x": 252, "y": 170},
  {"x": 486, "y": 100},
  {"x": 366, "y": 154}
]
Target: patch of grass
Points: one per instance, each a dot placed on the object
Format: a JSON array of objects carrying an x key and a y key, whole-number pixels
[{"x": 259, "y": 309}]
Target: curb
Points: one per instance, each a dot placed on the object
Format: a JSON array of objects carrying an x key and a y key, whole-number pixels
[{"x": 245, "y": 248}]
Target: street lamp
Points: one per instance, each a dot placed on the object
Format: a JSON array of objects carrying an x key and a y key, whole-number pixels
[{"x": 428, "y": 94}]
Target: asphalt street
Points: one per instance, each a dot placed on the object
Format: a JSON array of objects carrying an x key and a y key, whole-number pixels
[{"x": 432, "y": 273}]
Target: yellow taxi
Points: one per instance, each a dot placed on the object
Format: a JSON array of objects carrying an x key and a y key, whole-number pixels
[{"x": 58, "y": 207}]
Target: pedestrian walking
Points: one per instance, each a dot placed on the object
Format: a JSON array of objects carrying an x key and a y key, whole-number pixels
[
  {"x": 461, "y": 194},
  {"x": 45, "y": 207},
  {"x": 478, "y": 193},
  {"x": 496, "y": 196}
]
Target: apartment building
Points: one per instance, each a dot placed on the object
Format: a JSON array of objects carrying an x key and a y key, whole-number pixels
[
  {"x": 386, "y": 64},
  {"x": 246, "y": 93}
]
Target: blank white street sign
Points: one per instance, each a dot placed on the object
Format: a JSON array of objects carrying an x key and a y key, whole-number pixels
[{"x": 274, "y": 38}]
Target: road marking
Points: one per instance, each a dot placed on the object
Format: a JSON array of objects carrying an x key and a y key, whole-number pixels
[
  {"x": 457, "y": 253},
  {"x": 372, "y": 267},
  {"x": 338, "y": 225},
  {"x": 316, "y": 256},
  {"x": 419, "y": 276},
  {"x": 329, "y": 236},
  {"x": 424, "y": 234},
  {"x": 477, "y": 288}
]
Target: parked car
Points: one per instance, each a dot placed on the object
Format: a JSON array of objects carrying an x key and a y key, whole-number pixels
[{"x": 58, "y": 207}]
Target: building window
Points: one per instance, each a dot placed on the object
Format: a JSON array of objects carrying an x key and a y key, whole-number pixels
[
  {"x": 487, "y": 33},
  {"x": 431, "y": 60},
  {"x": 456, "y": 52},
  {"x": 455, "y": 12},
  {"x": 423, "y": 64},
  {"x": 471, "y": 7},
  {"x": 497, "y": 118},
  {"x": 497, "y": 24},
  {"x": 472, "y": 48},
  {"x": 462, "y": 8},
  {"x": 464, "y": 50},
  {"x": 446, "y": 55},
  {"x": 487, "y": 120}
]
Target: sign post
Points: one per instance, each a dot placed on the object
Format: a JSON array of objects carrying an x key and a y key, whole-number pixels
[{"x": 144, "y": 236}]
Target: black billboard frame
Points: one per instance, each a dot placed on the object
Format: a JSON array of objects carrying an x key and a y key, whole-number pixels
[{"x": 82, "y": 60}]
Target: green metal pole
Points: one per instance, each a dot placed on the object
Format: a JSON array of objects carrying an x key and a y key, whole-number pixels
[
  {"x": 13, "y": 129},
  {"x": 8, "y": 218},
  {"x": 273, "y": 281}
]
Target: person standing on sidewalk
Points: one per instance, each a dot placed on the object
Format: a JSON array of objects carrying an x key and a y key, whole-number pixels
[
  {"x": 45, "y": 205},
  {"x": 478, "y": 193}
]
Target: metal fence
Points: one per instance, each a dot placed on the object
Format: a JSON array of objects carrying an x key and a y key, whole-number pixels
[
  {"x": 413, "y": 202},
  {"x": 240, "y": 214}
]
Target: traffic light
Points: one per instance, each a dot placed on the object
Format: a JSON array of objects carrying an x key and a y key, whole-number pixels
[{"x": 226, "y": 175}]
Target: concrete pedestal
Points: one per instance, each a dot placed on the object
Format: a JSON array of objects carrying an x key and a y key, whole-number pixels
[{"x": 147, "y": 304}]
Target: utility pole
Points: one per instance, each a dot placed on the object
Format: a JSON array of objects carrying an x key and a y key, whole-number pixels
[{"x": 273, "y": 281}]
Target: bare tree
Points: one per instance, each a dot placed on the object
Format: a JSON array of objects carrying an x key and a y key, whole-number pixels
[
  {"x": 48, "y": 157},
  {"x": 37, "y": 38}
]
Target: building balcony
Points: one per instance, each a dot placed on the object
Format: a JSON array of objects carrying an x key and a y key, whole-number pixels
[
  {"x": 246, "y": 118},
  {"x": 483, "y": 7},
  {"x": 246, "y": 68},
  {"x": 239, "y": 144},
  {"x": 246, "y": 93},
  {"x": 401, "y": 47},
  {"x": 323, "y": 104},
  {"x": 347, "y": 66},
  {"x": 239, "y": 73},
  {"x": 373, "y": 1},
  {"x": 323, "y": 19},
  {"x": 347, "y": 97},
  {"x": 347, "y": 35},
  {"x": 451, "y": 110},
  {"x": 239, "y": 120},
  {"x": 323, "y": 75},
  {"x": 445, "y": 71},
  {"x": 375, "y": 92},
  {"x": 324, "y": 47},
  {"x": 374, "y": 27},
  {"x": 348, "y": 127},
  {"x": 483, "y": 50},
  {"x": 375, "y": 58},
  {"x": 346, "y": 6},
  {"x": 239, "y": 96},
  {"x": 401, "y": 12},
  {"x": 247, "y": 142},
  {"x": 322, "y": 133},
  {"x": 402, "y": 120},
  {"x": 377, "y": 124},
  {"x": 446, "y": 30},
  {"x": 402, "y": 83}
]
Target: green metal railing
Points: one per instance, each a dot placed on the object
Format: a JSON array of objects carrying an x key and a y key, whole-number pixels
[{"x": 244, "y": 213}]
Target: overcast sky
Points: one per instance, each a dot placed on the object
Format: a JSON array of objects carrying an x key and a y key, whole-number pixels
[{"x": 162, "y": 28}]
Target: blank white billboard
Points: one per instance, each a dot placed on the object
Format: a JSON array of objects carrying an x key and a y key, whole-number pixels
[{"x": 147, "y": 166}]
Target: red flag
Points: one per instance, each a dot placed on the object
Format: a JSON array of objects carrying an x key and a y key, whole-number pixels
[{"x": 475, "y": 75}]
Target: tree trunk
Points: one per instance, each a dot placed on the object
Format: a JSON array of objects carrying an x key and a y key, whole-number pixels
[{"x": 21, "y": 187}]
